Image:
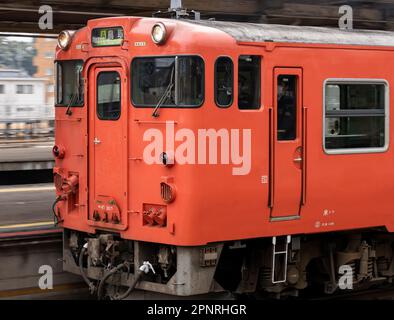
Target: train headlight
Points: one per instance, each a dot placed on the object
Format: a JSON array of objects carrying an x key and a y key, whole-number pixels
[
  {"x": 159, "y": 33},
  {"x": 64, "y": 39}
]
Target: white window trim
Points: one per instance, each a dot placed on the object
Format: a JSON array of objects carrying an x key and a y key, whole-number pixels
[{"x": 386, "y": 115}]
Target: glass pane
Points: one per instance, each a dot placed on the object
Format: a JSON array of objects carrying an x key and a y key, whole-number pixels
[
  {"x": 354, "y": 96},
  {"x": 355, "y": 115},
  {"x": 224, "y": 81},
  {"x": 333, "y": 97},
  {"x": 190, "y": 81},
  {"x": 355, "y": 132},
  {"x": 108, "y": 96},
  {"x": 151, "y": 78},
  {"x": 59, "y": 83},
  {"x": 287, "y": 107},
  {"x": 70, "y": 83},
  {"x": 160, "y": 78},
  {"x": 249, "y": 82}
]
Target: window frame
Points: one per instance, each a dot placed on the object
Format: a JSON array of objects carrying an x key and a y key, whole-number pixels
[
  {"x": 81, "y": 105},
  {"x": 215, "y": 83},
  {"x": 145, "y": 106},
  {"x": 356, "y": 81},
  {"x": 97, "y": 96},
  {"x": 260, "y": 102}
]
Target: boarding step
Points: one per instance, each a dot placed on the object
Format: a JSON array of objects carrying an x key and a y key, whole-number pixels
[{"x": 280, "y": 249}]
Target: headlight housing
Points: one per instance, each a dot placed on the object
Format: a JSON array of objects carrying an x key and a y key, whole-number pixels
[
  {"x": 64, "y": 39},
  {"x": 159, "y": 33}
]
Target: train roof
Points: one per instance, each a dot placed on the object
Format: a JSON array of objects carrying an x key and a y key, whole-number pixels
[{"x": 254, "y": 32}]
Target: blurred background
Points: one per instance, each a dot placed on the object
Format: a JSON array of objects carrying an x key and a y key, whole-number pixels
[{"x": 26, "y": 88}]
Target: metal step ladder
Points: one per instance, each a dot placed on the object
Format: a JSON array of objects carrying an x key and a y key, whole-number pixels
[{"x": 277, "y": 256}]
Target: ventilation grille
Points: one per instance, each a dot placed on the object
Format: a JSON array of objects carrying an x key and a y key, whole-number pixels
[{"x": 167, "y": 192}]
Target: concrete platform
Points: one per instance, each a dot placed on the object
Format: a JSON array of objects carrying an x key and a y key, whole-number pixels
[
  {"x": 26, "y": 206},
  {"x": 26, "y": 156}
]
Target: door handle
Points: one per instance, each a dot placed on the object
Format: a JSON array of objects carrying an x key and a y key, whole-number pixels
[
  {"x": 298, "y": 157},
  {"x": 96, "y": 140}
]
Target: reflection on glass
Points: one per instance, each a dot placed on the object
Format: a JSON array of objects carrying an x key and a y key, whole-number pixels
[
  {"x": 224, "y": 81},
  {"x": 152, "y": 76},
  {"x": 355, "y": 115},
  {"x": 108, "y": 96}
]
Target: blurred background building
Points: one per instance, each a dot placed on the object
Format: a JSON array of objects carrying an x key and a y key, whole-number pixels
[
  {"x": 43, "y": 60},
  {"x": 26, "y": 87}
]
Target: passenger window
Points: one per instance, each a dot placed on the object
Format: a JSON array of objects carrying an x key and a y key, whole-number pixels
[
  {"x": 355, "y": 116},
  {"x": 287, "y": 107},
  {"x": 108, "y": 95},
  {"x": 224, "y": 82},
  {"x": 249, "y": 82}
]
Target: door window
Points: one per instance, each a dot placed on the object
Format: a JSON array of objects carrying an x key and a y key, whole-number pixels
[
  {"x": 108, "y": 95},
  {"x": 287, "y": 107}
]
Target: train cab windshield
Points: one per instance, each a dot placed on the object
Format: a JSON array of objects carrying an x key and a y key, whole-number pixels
[
  {"x": 168, "y": 81},
  {"x": 69, "y": 83}
]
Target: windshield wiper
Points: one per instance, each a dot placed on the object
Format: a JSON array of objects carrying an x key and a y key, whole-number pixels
[
  {"x": 76, "y": 96},
  {"x": 166, "y": 94},
  {"x": 72, "y": 100}
]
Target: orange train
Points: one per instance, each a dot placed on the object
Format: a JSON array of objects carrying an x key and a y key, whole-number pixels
[{"x": 197, "y": 157}]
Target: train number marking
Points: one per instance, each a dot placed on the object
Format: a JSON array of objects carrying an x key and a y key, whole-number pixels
[
  {"x": 139, "y": 44},
  {"x": 328, "y": 212}
]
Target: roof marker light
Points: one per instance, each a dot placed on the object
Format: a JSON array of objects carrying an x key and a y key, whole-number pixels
[{"x": 159, "y": 33}]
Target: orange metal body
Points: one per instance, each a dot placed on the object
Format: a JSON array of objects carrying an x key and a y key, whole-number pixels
[{"x": 323, "y": 193}]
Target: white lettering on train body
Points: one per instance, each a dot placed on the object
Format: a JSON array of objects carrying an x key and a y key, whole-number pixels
[{"x": 201, "y": 148}]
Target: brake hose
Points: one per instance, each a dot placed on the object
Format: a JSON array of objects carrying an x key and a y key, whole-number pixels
[
  {"x": 55, "y": 216},
  {"x": 100, "y": 289},
  {"x": 91, "y": 285},
  {"x": 146, "y": 266}
]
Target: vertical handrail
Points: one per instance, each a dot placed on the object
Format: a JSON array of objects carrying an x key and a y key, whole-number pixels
[
  {"x": 304, "y": 147},
  {"x": 271, "y": 158}
]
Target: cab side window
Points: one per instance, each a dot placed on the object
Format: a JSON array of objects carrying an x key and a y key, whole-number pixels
[
  {"x": 224, "y": 82},
  {"x": 249, "y": 82}
]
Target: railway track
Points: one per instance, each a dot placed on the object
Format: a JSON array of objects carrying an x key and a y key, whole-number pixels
[{"x": 22, "y": 254}]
